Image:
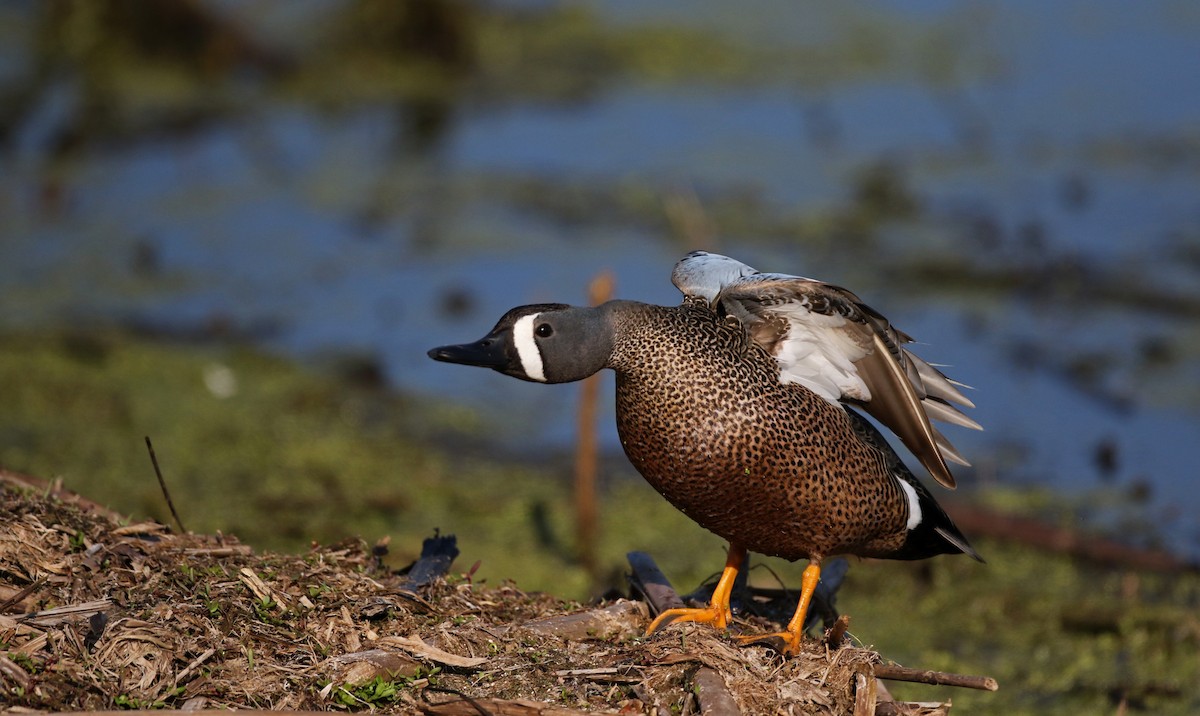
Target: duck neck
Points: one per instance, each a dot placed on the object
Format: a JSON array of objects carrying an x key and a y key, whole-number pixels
[
  {"x": 591, "y": 349},
  {"x": 642, "y": 335}
]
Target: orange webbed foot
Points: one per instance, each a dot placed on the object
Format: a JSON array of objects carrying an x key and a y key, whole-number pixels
[
  {"x": 717, "y": 613},
  {"x": 714, "y": 615},
  {"x": 793, "y": 636},
  {"x": 791, "y": 641}
]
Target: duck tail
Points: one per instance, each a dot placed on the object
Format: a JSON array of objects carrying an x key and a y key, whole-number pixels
[
  {"x": 936, "y": 533},
  {"x": 930, "y": 530}
]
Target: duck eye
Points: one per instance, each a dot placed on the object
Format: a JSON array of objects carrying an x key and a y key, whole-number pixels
[{"x": 544, "y": 330}]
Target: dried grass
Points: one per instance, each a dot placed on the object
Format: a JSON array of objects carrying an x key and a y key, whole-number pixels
[{"x": 95, "y": 615}]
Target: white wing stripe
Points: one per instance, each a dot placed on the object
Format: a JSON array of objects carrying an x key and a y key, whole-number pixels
[
  {"x": 914, "y": 505},
  {"x": 818, "y": 354}
]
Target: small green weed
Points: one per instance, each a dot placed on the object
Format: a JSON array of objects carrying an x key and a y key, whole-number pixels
[
  {"x": 126, "y": 702},
  {"x": 380, "y": 690}
]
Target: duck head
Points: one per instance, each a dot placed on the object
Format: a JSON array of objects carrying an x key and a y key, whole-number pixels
[{"x": 543, "y": 343}]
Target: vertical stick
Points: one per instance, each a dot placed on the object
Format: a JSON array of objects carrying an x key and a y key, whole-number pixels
[
  {"x": 162, "y": 484},
  {"x": 586, "y": 455},
  {"x": 864, "y": 694}
]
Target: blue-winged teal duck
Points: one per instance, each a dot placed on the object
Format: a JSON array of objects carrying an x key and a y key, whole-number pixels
[{"x": 739, "y": 406}]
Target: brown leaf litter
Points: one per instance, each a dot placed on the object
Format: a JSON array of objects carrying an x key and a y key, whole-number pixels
[{"x": 98, "y": 615}]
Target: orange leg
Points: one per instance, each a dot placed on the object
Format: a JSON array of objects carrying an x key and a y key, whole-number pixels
[
  {"x": 794, "y": 634},
  {"x": 717, "y": 613}
]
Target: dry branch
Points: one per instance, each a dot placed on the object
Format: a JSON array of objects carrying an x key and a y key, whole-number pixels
[
  {"x": 9, "y": 671},
  {"x": 649, "y": 580},
  {"x": 361, "y": 667},
  {"x": 261, "y": 590},
  {"x": 587, "y": 458},
  {"x": 233, "y": 550},
  {"x": 912, "y": 708},
  {"x": 622, "y": 618},
  {"x": 50, "y": 617},
  {"x": 836, "y": 636},
  {"x": 936, "y": 678},
  {"x": 195, "y": 664},
  {"x": 417, "y": 647},
  {"x": 982, "y": 522},
  {"x": 715, "y": 699},
  {"x": 627, "y": 674},
  {"x": 162, "y": 485},
  {"x": 865, "y": 694},
  {"x": 19, "y": 596}
]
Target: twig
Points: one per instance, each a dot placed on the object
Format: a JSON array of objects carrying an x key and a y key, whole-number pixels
[
  {"x": 652, "y": 583},
  {"x": 630, "y": 674},
  {"x": 1037, "y": 533},
  {"x": 49, "y": 617},
  {"x": 597, "y": 671},
  {"x": 263, "y": 591},
  {"x": 837, "y": 655},
  {"x": 163, "y": 485},
  {"x": 10, "y": 670},
  {"x": 417, "y": 647},
  {"x": 714, "y": 696},
  {"x": 227, "y": 551},
  {"x": 195, "y": 664},
  {"x": 865, "y": 695},
  {"x": 937, "y": 678},
  {"x": 587, "y": 458},
  {"x": 16, "y": 598},
  {"x": 836, "y": 635},
  {"x": 473, "y": 702},
  {"x": 908, "y": 708},
  {"x": 621, "y": 618}
]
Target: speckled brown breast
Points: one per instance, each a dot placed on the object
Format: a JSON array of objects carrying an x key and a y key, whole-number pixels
[{"x": 772, "y": 467}]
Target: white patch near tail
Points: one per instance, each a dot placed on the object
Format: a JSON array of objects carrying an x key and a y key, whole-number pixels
[
  {"x": 527, "y": 350},
  {"x": 914, "y": 504}
]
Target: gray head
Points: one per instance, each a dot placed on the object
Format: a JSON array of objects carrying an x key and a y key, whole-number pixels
[{"x": 544, "y": 343}]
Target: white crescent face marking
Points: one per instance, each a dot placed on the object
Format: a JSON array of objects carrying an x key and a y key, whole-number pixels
[
  {"x": 527, "y": 350},
  {"x": 914, "y": 505}
]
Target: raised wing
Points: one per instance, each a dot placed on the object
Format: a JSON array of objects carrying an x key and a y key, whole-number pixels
[
  {"x": 826, "y": 339},
  {"x": 701, "y": 274}
]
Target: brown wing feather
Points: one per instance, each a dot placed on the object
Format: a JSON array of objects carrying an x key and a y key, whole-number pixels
[
  {"x": 905, "y": 391},
  {"x": 895, "y": 403}
]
